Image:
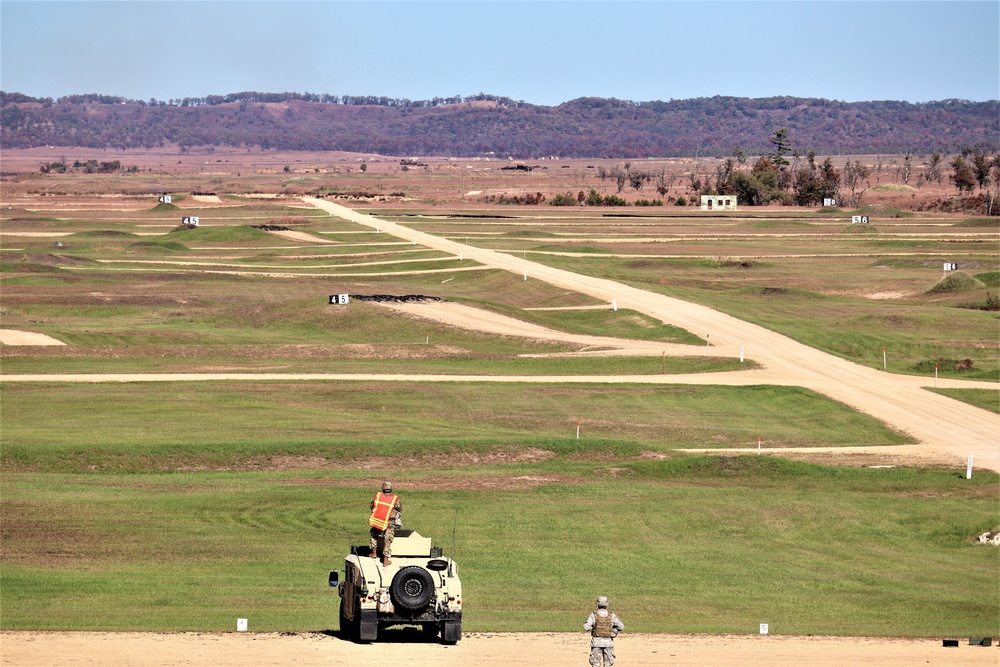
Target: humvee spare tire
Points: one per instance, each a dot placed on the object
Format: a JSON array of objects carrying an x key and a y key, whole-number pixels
[{"x": 412, "y": 588}]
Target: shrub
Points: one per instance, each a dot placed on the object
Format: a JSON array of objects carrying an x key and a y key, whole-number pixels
[
  {"x": 563, "y": 200},
  {"x": 681, "y": 201}
]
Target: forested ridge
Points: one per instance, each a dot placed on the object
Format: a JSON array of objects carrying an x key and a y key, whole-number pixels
[{"x": 498, "y": 126}]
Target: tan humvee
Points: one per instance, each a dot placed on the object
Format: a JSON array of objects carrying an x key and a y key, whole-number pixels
[{"x": 420, "y": 587}]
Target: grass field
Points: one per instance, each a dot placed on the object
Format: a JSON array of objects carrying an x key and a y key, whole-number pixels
[
  {"x": 169, "y": 506},
  {"x": 686, "y": 545},
  {"x": 136, "y": 427}
]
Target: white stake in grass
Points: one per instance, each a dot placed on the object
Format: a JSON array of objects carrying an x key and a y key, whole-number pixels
[
  {"x": 614, "y": 304},
  {"x": 241, "y": 625},
  {"x": 968, "y": 469}
]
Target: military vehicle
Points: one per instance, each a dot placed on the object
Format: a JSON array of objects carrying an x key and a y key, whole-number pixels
[{"x": 419, "y": 587}]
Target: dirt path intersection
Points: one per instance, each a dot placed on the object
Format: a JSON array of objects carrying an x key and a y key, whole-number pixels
[{"x": 950, "y": 428}]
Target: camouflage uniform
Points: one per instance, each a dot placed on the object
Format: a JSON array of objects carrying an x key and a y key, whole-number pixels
[
  {"x": 386, "y": 536},
  {"x": 604, "y": 627}
]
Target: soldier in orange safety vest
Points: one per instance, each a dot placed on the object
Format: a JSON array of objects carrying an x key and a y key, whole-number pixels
[{"x": 383, "y": 521}]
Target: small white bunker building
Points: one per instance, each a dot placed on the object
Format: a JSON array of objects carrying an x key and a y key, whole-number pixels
[{"x": 718, "y": 202}]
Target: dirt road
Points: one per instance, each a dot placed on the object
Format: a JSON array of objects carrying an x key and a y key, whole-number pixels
[
  {"x": 949, "y": 426},
  {"x": 948, "y": 431},
  {"x": 92, "y": 649}
]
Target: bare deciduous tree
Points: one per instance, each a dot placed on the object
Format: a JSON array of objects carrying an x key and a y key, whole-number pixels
[{"x": 855, "y": 175}]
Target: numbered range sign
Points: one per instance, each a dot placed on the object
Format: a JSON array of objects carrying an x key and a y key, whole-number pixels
[
  {"x": 340, "y": 299},
  {"x": 859, "y": 219},
  {"x": 165, "y": 199},
  {"x": 951, "y": 266},
  {"x": 829, "y": 201},
  {"x": 190, "y": 221}
]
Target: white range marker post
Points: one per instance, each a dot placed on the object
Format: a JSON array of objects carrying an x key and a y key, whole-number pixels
[
  {"x": 577, "y": 429},
  {"x": 968, "y": 469},
  {"x": 758, "y": 445},
  {"x": 741, "y": 354},
  {"x": 614, "y": 304},
  {"x": 763, "y": 628},
  {"x": 884, "y": 367},
  {"x": 241, "y": 625},
  {"x": 526, "y": 275}
]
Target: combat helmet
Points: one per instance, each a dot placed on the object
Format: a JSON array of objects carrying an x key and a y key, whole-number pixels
[
  {"x": 387, "y": 487},
  {"x": 602, "y": 602}
]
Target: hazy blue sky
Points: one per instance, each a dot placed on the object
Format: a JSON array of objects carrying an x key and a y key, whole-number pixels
[{"x": 540, "y": 51}]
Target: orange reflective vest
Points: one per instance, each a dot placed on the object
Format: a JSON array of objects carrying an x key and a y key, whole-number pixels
[{"x": 382, "y": 510}]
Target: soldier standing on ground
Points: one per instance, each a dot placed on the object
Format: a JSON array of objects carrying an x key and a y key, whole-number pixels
[
  {"x": 383, "y": 520},
  {"x": 604, "y": 627}
]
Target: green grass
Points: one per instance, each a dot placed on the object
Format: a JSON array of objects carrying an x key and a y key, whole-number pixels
[
  {"x": 134, "y": 426},
  {"x": 860, "y": 230},
  {"x": 990, "y": 279},
  {"x": 415, "y": 357},
  {"x": 894, "y": 188},
  {"x": 697, "y": 544},
  {"x": 222, "y": 234},
  {"x": 882, "y": 211},
  {"x": 987, "y": 399}
]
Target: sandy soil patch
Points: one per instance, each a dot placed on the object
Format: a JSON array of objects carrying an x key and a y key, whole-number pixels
[
  {"x": 887, "y": 295},
  {"x": 34, "y": 234},
  {"x": 475, "y": 319},
  {"x": 303, "y": 237},
  {"x": 15, "y": 337},
  {"x": 258, "y": 352},
  {"x": 231, "y": 649},
  {"x": 207, "y": 199}
]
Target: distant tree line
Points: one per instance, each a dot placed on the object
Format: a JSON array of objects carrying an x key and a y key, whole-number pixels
[
  {"x": 253, "y": 96},
  {"x": 585, "y": 127}
]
